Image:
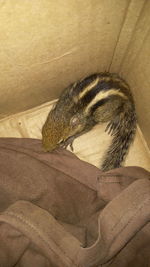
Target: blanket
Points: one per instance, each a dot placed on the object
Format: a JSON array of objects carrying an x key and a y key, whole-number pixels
[{"x": 57, "y": 210}]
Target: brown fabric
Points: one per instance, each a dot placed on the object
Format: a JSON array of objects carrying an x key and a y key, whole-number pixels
[{"x": 57, "y": 210}]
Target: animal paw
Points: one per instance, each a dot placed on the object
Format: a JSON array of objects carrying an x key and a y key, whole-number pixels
[{"x": 68, "y": 142}]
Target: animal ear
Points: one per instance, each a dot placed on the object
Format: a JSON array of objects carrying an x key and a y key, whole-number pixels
[{"x": 74, "y": 121}]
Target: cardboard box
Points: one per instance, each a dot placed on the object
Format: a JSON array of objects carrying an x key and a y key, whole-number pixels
[{"x": 46, "y": 45}]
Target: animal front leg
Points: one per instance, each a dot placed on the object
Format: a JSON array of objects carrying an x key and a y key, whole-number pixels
[{"x": 68, "y": 142}]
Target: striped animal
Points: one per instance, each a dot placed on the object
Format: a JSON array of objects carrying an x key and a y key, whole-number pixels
[{"x": 99, "y": 98}]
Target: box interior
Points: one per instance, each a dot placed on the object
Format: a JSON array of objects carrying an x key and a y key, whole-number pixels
[{"x": 46, "y": 45}]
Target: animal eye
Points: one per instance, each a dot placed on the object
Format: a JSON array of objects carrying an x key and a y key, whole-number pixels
[{"x": 74, "y": 121}]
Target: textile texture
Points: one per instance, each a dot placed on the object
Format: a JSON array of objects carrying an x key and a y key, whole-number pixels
[{"x": 56, "y": 210}]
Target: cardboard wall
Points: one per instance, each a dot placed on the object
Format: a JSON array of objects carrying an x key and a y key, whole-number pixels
[
  {"x": 136, "y": 69},
  {"x": 46, "y": 45},
  {"x": 132, "y": 59}
]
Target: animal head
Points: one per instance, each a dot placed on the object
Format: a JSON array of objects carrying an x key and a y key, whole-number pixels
[{"x": 58, "y": 128}]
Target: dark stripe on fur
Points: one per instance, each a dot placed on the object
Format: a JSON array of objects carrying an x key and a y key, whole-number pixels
[
  {"x": 99, "y": 103},
  {"x": 84, "y": 83},
  {"x": 101, "y": 86},
  {"x": 88, "y": 97}
]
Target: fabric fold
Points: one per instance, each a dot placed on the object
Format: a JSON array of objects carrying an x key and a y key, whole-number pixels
[{"x": 56, "y": 210}]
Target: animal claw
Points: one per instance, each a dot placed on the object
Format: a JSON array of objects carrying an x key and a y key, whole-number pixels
[{"x": 68, "y": 142}]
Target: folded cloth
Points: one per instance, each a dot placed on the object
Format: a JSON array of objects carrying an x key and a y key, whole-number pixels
[{"x": 57, "y": 210}]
